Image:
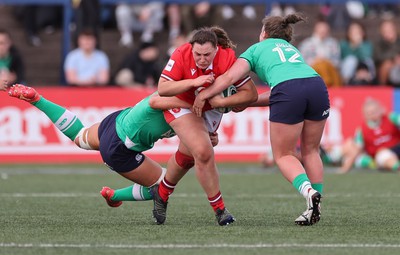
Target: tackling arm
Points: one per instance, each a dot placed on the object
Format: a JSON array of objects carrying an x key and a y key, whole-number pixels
[
  {"x": 165, "y": 103},
  {"x": 173, "y": 88},
  {"x": 238, "y": 70},
  {"x": 245, "y": 95}
]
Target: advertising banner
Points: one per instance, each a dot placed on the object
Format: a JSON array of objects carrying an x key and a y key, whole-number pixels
[{"x": 28, "y": 136}]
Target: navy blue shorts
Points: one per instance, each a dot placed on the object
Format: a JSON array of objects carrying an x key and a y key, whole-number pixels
[
  {"x": 113, "y": 151},
  {"x": 296, "y": 100}
]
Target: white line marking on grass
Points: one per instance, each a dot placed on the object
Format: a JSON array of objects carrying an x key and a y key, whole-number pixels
[
  {"x": 196, "y": 246},
  {"x": 196, "y": 195}
]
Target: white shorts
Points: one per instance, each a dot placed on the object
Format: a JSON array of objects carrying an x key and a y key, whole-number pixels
[{"x": 212, "y": 117}]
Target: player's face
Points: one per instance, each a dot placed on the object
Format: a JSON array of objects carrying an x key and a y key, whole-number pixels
[
  {"x": 203, "y": 54},
  {"x": 373, "y": 113}
]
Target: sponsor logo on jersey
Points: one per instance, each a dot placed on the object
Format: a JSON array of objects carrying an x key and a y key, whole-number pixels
[
  {"x": 169, "y": 65},
  {"x": 193, "y": 71},
  {"x": 326, "y": 112}
]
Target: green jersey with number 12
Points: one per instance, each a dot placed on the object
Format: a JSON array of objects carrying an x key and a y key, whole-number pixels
[{"x": 276, "y": 61}]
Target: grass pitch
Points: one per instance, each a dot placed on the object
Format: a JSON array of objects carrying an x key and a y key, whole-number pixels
[{"x": 58, "y": 210}]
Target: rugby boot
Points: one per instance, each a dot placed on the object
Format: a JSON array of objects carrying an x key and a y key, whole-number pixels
[
  {"x": 224, "y": 217},
  {"x": 313, "y": 213},
  {"x": 25, "y": 93},
  {"x": 108, "y": 193},
  {"x": 160, "y": 207}
]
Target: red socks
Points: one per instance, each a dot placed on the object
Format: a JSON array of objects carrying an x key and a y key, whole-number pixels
[
  {"x": 165, "y": 189},
  {"x": 217, "y": 201}
]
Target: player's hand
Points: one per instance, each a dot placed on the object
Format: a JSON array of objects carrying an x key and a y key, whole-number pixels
[
  {"x": 203, "y": 79},
  {"x": 214, "y": 138},
  {"x": 198, "y": 105},
  {"x": 3, "y": 85},
  {"x": 216, "y": 101}
]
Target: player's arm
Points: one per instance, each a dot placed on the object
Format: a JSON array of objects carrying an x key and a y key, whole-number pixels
[
  {"x": 238, "y": 70},
  {"x": 246, "y": 94},
  {"x": 262, "y": 100},
  {"x": 172, "y": 88},
  {"x": 350, "y": 155},
  {"x": 165, "y": 103}
]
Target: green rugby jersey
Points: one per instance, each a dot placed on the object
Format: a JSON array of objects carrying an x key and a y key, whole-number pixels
[
  {"x": 276, "y": 61},
  {"x": 139, "y": 127}
]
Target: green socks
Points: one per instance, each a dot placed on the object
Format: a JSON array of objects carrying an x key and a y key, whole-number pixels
[
  {"x": 365, "y": 161},
  {"x": 302, "y": 184},
  {"x": 318, "y": 187},
  {"x": 135, "y": 192},
  {"x": 64, "y": 120}
]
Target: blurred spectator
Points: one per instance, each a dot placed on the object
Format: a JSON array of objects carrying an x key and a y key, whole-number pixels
[
  {"x": 37, "y": 17},
  {"x": 87, "y": 66},
  {"x": 201, "y": 14},
  {"x": 248, "y": 11},
  {"x": 385, "y": 50},
  {"x": 362, "y": 76},
  {"x": 381, "y": 10},
  {"x": 140, "y": 68},
  {"x": 394, "y": 75},
  {"x": 87, "y": 16},
  {"x": 356, "y": 56},
  {"x": 322, "y": 52},
  {"x": 146, "y": 18},
  {"x": 174, "y": 21},
  {"x": 378, "y": 136},
  {"x": 278, "y": 9},
  {"x": 178, "y": 41},
  {"x": 11, "y": 64}
]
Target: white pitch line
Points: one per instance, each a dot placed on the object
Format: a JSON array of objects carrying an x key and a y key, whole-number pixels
[
  {"x": 197, "y": 246},
  {"x": 195, "y": 195}
]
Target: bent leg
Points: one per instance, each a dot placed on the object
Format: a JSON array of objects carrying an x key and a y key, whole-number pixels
[{"x": 148, "y": 174}]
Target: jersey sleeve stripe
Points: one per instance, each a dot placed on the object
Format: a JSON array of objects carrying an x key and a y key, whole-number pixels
[
  {"x": 241, "y": 82},
  {"x": 167, "y": 77}
]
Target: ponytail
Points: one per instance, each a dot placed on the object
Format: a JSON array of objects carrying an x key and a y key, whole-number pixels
[{"x": 279, "y": 27}]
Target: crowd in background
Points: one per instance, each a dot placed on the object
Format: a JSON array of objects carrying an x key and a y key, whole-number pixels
[{"x": 352, "y": 60}]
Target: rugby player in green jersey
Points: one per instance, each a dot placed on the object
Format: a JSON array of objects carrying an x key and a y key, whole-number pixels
[{"x": 299, "y": 106}]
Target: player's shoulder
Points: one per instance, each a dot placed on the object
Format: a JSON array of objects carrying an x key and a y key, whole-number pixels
[{"x": 184, "y": 49}]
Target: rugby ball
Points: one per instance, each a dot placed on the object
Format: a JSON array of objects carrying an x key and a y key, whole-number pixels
[{"x": 231, "y": 90}]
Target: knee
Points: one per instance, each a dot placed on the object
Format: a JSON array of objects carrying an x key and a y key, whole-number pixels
[
  {"x": 81, "y": 140},
  {"x": 203, "y": 155}
]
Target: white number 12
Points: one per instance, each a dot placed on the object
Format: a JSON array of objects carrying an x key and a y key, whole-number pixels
[{"x": 292, "y": 59}]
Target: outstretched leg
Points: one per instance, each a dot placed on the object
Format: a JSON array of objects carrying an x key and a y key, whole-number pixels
[{"x": 64, "y": 120}]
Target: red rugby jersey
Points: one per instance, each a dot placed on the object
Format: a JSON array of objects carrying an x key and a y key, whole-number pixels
[
  {"x": 385, "y": 136},
  {"x": 181, "y": 66}
]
